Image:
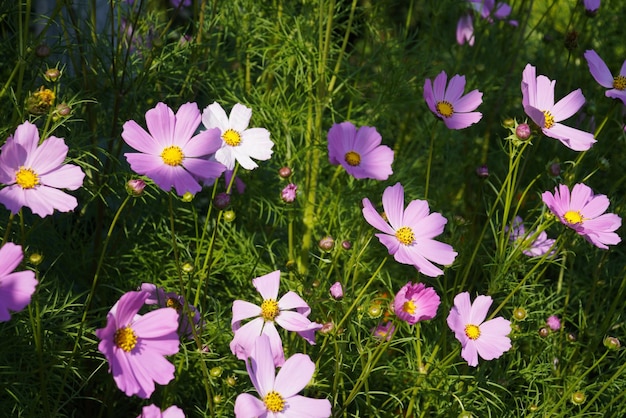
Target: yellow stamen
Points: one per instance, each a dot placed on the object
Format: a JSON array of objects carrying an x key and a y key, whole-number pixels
[
  {"x": 405, "y": 235},
  {"x": 269, "y": 309},
  {"x": 353, "y": 158},
  {"x": 45, "y": 96},
  {"x": 172, "y": 155},
  {"x": 445, "y": 109},
  {"x": 409, "y": 307},
  {"x": 231, "y": 137},
  {"x": 26, "y": 178},
  {"x": 573, "y": 217},
  {"x": 274, "y": 402},
  {"x": 472, "y": 331},
  {"x": 549, "y": 120},
  {"x": 619, "y": 82},
  {"x": 125, "y": 338},
  {"x": 173, "y": 303}
]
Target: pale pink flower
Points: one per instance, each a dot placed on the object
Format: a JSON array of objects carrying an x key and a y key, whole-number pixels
[
  {"x": 153, "y": 411},
  {"x": 449, "y": 104}
]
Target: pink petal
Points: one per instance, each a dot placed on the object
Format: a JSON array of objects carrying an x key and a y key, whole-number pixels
[
  {"x": 479, "y": 310},
  {"x": 262, "y": 364},
  {"x": 161, "y": 123},
  {"x": 429, "y": 96},
  {"x": 267, "y": 285},
  {"x": 469, "y": 102},
  {"x": 469, "y": 352},
  {"x": 16, "y": 290},
  {"x": 572, "y": 138},
  {"x": 529, "y": 86},
  {"x": 205, "y": 143},
  {"x": 439, "y": 87},
  {"x": 247, "y": 406},
  {"x": 135, "y": 136},
  {"x": 67, "y": 176},
  {"x": 580, "y": 196},
  {"x": 43, "y": 200},
  {"x": 294, "y": 375},
  {"x": 11, "y": 256},
  {"x": 162, "y": 322},
  {"x": 462, "y": 120},
  {"x": 301, "y": 406},
  {"x": 187, "y": 121},
  {"x": 243, "y": 310},
  {"x": 568, "y": 105},
  {"x": 48, "y": 156},
  {"x": 243, "y": 341},
  {"x": 545, "y": 93},
  {"x": 373, "y": 218},
  {"x": 393, "y": 203},
  {"x": 292, "y": 300},
  {"x": 598, "y": 68},
  {"x": 455, "y": 89}
]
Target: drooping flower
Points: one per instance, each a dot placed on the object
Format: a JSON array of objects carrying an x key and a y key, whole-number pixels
[
  {"x": 153, "y": 411},
  {"x": 584, "y": 213},
  {"x": 279, "y": 392},
  {"x": 16, "y": 287},
  {"x": 416, "y": 302},
  {"x": 33, "y": 173},
  {"x": 553, "y": 322},
  {"x": 449, "y": 104},
  {"x": 158, "y": 296},
  {"x": 170, "y": 154},
  {"x": 359, "y": 151},
  {"x": 408, "y": 234},
  {"x": 487, "y": 339},
  {"x": 539, "y": 246},
  {"x": 591, "y": 6},
  {"x": 384, "y": 330},
  {"x": 465, "y": 30},
  {"x": 601, "y": 73},
  {"x": 135, "y": 345},
  {"x": 272, "y": 311},
  {"x": 538, "y": 102},
  {"x": 239, "y": 143},
  {"x": 486, "y": 9},
  {"x": 336, "y": 290}
]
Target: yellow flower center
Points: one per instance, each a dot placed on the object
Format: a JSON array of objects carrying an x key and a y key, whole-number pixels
[
  {"x": 125, "y": 338},
  {"x": 269, "y": 309},
  {"x": 472, "y": 331},
  {"x": 26, "y": 178},
  {"x": 405, "y": 235},
  {"x": 45, "y": 96},
  {"x": 409, "y": 307},
  {"x": 231, "y": 137},
  {"x": 353, "y": 158},
  {"x": 172, "y": 155},
  {"x": 173, "y": 303},
  {"x": 274, "y": 402},
  {"x": 619, "y": 82},
  {"x": 445, "y": 109},
  {"x": 573, "y": 217},
  {"x": 549, "y": 120}
]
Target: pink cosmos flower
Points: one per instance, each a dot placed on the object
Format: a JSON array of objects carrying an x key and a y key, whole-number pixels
[
  {"x": 170, "y": 154},
  {"x": 359, "y": 151},
  {"x": 535, "y": 248},
  {"x": 271, "y": 311},
  {"x": 465, "y": 30},
  {"x": 158, "y": 296},
  {"x": 486, "y": 9},
  {"x": 601, "y": 73},
  {"x": 33, "y": 173},
  {"x": 416, "y": 302},
  {"x": 450, "y": 104},
  {"x": 553, "y": 322},
  {"x": 279, "y": 393},
  {"x": 384, "y": 330},
  {"x": 238, "y": 142},
  {"x": 408, "y": 234},
  {"x": 135, "y": 345},
  {"x": 538, "y": 101},
  {"x": 16, "y": 287},
  {"x": 591, "y": 5},
  {"x": 584, "y": 213},
  {"x": 487, "y": 339},
  {"x": 289, "y": 193},
  {"x": 153, "y": 411}
]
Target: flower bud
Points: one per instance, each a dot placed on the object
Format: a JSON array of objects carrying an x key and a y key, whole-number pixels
[
  {"x": 482, "y": 171},
  {"x": 578, "y": 398},
  {"x": 63, "y": 110},
  {"x": 221, "y": 200},
  {"x": 52, "y": 74},
  {"x": 555, "y": 169},
  {"x": 571, "y": 337},
  {"x": 135, "y": 186},
  {"x": 612, "y": 343},
  {"x": 519, "y": 314},
  {"x": 231, "y": 380},
  {"x": 187, "y": 268},
  {"x": 327, "y": 243},
  {"x": 216, "y": 371},
  {"x": 285, "y": 172},
  {"x": 188, "y": 197},
  {"x": 42, "y": 50},
  {"x": 543, "y": 332},
  {"x": 288, "y": 194},
  {"x": 553, "y": 322},
  {"x": 327, "y": 327},
  {"x": 229, "y": 216},
  {"x": 336, "y": 290},
  {"x": 522, "y": 131},
  {"x": 375, "y": 310},
  {"x": 35, "y": 259},
  {"x": 346, "y": 245}
]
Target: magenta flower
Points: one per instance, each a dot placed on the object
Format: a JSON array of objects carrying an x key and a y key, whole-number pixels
[
  {"x": 271, "y": 311},
  {"x": 601, "y": 73},
  {"x": 535, "y": 248},
  {"x": 336, "y": 290},
  {"x": 289, "y": 193},
  {"x": 153, "y": 411},
  {"x": 135, "y": 345},
  {"x": 16, "y": 287},
  {"x": 538, "y": 101},
  {"x": 591, "y": 5},
  {"x": 486, "y": 9},
  {"x": 158, "y": 296},
  {"x": 584, "y": 213},
  {"x": 170, "y": 154},
  {"x": 416, "y": 302},
  {"x": 239, "y": 144},
  {"x": 359, "y": 151},
  {"x": 384, "y": 330},
  {"x": 449, "y": 103},
  {"x": 408, "y": 234},
  {"x": 553, "y": 322},
  {"x": 487, "y": 339},
  {"x": 279, "y": 393},
  {"x": 33, "y": 173}
]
